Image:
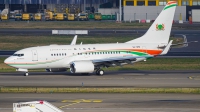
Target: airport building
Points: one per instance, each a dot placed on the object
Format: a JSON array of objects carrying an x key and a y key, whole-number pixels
[
  {"x": 52, "y": 4},
  {"x": 131, "y": 9},
  {"x": 149, "y": 9}
]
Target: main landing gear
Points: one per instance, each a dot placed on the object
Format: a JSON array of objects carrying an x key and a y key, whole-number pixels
[
  {"x": 100, "y": 72},
  {"x": 26, "y": 74}
]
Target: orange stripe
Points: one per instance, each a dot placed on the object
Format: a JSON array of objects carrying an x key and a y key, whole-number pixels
[
  {"x": 171, "y": 2},
  {"x": 151, "y": 52}
]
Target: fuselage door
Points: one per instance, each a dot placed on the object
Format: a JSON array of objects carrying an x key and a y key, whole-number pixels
[{"x": 34, "y": 55}]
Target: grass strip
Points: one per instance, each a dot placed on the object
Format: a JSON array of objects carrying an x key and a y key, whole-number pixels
[
  {"x": 71, "y": 25},
  {"x": 21, "y": 42},
  {"x": 97, "y": 90},
  {"x": 15, "y": 42}
]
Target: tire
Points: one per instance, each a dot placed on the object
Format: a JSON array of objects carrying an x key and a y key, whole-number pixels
[
  {"x": 26, "y": 74},
  {"x": 101, "y": 72}
]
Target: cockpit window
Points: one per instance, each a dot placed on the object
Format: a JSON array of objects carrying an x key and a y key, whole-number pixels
[{"x": 19, "y": 55}]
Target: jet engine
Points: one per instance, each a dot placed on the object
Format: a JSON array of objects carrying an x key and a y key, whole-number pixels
[{"x": 82, "y": 67}]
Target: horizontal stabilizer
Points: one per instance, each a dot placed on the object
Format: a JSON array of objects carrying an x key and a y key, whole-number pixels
[
  {"x": 185, "y": 44},
  {"x": 165, "y": 51}
]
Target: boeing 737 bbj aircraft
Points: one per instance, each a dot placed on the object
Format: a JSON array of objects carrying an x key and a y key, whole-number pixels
[{"x": 92, "y": 57}]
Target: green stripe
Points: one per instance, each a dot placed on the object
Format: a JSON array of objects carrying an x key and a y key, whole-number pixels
[
  {"x": 169, "y": 6},
  {"x": 136, "y": 53},
  {"x": 139, "y": 53}
]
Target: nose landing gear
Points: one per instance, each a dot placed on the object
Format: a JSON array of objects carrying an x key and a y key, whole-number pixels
[{"x": 25, "y": 71}]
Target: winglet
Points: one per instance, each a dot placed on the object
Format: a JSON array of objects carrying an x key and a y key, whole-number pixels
[
  {"x": 74, "y": 40},
  {"x": 165, "y": 51}
]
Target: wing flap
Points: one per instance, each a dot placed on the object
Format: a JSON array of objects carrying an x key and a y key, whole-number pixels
[
  {"x": 120, "y": 58},
  {"x": 117, "y": 61}
]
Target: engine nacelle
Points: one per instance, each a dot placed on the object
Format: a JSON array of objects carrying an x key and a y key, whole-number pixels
[
  {"x": 82, "y": 67},
  {"x": 56, "y": 70}
]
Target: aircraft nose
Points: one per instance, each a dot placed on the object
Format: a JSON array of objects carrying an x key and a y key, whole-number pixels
[{"x": 7, "y": 60}]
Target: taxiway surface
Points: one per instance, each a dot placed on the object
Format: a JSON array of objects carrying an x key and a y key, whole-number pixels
[
  {"x": 110, "y": 79},
  {"x": 99, "y": 102}
]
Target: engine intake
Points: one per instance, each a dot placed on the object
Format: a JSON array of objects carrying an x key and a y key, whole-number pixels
[{"x": 82, "y": 67}]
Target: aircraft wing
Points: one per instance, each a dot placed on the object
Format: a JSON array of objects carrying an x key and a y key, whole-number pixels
[
  {"x": 74, "y": 40},
  {"x": 118, "y": 60}
]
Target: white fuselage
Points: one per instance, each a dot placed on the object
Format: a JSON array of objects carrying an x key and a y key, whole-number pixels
[{"x": 60, "y": 56}]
